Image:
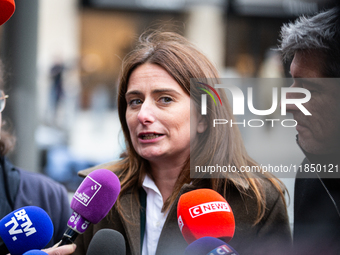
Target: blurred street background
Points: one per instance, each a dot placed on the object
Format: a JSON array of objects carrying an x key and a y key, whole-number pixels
[{"x": 62, "y": 59}]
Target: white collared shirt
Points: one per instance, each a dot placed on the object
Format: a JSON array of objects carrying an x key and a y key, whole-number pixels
[{"x": 154, "y": 217}]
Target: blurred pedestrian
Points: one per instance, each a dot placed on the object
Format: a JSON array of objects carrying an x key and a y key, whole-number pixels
[{"x": 20, "y": 188}]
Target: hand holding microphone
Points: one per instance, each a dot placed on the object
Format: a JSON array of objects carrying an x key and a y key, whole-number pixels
[
  {"x": 91, "y": 202},
  {"x": 55, "y": 250},
  {"x": 204, "y": 212},
  {"x": 63, "y": 250}
]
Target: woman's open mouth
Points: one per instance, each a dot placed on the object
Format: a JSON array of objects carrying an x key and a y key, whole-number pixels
[{"x": 149, "y": 136}]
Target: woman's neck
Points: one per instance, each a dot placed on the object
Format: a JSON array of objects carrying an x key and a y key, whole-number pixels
[{"x": 165, "y": 178}]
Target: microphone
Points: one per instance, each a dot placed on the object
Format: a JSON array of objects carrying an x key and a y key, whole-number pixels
[
  {"x": 204, "y": 212},
  {"x": 91, "y": 202},
  {"x": 7, "y": 8},
  {"x": 25, "y": 229},
  {"x": 107, "y": 242},
  {"x": 209, "y": 246},
  {"x": 35, "y": 252}
]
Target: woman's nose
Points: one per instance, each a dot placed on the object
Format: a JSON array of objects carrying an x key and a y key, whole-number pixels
[{"x": 146, "y": 114}]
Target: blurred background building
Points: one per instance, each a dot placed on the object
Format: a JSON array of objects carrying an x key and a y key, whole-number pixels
[{"x": 62, "y": 60}]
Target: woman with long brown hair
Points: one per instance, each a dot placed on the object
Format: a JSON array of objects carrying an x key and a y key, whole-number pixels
[{"x": 159, "y": 115}]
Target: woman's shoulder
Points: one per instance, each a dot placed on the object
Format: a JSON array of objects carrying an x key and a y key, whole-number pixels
[
  {"x": 274, "y": 201},
  {"x": 274, "y": 189},
  {"x": 245, "y": 200},
  {"x": 271, "y": 187}
]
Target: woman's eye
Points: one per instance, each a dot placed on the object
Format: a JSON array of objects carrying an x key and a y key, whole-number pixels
[
  {"x": 134, "y": 102},
  {"x": 166, "y": 99}
]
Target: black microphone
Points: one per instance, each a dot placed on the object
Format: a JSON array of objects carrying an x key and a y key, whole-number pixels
[{"x": 107, "y": 242}]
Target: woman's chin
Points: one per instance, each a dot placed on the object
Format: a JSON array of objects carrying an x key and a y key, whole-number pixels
[{"x": 152, "y": 156}]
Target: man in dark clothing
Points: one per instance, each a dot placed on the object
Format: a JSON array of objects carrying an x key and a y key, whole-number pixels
[
  {"x": 20, "y": 188},
  {"x": 313, "y": 43}
]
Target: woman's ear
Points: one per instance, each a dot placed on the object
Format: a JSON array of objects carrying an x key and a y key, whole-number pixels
[{"x": 202, "y": 124}]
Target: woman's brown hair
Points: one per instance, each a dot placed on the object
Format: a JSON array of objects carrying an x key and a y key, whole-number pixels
[{"x": 183, "y": 61}]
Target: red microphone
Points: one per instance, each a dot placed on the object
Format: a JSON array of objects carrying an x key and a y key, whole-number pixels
[
  {"x": 7, "y": 8},
  {"x": 204, "y": 212}
]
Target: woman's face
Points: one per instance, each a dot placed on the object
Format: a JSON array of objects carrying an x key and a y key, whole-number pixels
[{"x": 158, "y": 115}]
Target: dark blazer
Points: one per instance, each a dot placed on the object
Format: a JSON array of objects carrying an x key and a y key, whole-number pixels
[
  {"x": 316, "y": 210},
  {"x": 270, "y": 236},
  {"x": 22, "y": 188}
]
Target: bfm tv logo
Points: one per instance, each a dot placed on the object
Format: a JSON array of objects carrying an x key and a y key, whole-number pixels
[
  {"x": 238, "y": 104},
  {"x": 26, "y": 226}
]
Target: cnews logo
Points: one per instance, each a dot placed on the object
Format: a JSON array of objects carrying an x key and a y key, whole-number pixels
[
  {"x": 204, "y": 97},
  {"x": 210, "y": 207}
]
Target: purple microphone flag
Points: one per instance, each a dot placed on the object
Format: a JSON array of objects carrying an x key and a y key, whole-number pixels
[{"x": 93, "y": 199}]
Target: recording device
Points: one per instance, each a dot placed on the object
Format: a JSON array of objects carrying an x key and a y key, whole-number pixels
[
  {"x": 209, "y": 246},
  {"x": 204, "y": 212},
  {"x": 35, "y": 252},
  {"x": 25, "y": 229},
  {"x": 107, "y": 242},
  {"x": 91, "y": 202},
  {"x": 7, "y": 8}
]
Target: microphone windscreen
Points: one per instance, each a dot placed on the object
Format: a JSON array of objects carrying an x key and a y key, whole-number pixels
[
  {"x": 107, "y": 242},
  {"x": 35, "y": 252},
  {"x": 25, "y": 229},
  {"x": 7, "y": 8},
  {"x": 204, "y": 212},
  {"x": 96, "y": 195}
]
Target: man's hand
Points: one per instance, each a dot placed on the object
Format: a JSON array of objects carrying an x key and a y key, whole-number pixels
[{"x": 62, "y": 250}]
